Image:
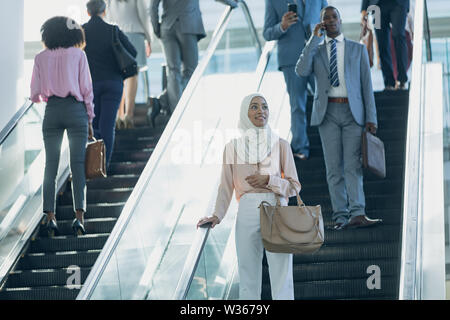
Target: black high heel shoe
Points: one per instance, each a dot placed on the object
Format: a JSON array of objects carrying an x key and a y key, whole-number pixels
[
  {"x": 51, "y": 228},
  {"x": 78, "y": 228},
  {"x": 156, "y": 110}
]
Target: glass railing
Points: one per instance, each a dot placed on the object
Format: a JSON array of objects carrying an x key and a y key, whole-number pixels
[
  {"x": 22, "y": 161},
  {"x": 441, "y": 53},
  {"x": 422, "y": 274},
  {"x": 145, "y": 255},
  {"x": 213, "y": 275}
]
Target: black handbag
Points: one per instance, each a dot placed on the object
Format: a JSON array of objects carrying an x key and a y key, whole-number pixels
[{"x": 126, "y": 62}]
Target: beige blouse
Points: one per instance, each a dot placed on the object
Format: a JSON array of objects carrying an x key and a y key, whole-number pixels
[{"x": 279, "y": 165}]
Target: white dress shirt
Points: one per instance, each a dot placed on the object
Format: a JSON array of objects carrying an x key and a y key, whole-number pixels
[{"x": 341, "y": 90}]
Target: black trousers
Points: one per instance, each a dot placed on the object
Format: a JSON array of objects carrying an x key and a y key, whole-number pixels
[{"x": 392, "y": 13}]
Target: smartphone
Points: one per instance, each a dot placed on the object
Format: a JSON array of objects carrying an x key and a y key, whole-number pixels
[{"x": 292, "y": 7}]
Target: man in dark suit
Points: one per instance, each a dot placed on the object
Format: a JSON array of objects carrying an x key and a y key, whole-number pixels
[
  {"x": 291, "y": 30},
  {"x": 180, "y": 29},
  {"x": 391, "y": 12}
]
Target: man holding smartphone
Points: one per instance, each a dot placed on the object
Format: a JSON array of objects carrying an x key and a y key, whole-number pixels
[
  {"x": 291, "y": 23},
  {"x": 343, "y": 105}
]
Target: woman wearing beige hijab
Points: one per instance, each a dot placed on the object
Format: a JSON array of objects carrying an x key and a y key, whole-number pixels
[{"x": 258, "y": 166}]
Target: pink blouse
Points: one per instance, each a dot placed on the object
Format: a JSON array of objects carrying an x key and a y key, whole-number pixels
[
  {"x": 62, "y": 72},
  {"x": 279, "y": 165}
]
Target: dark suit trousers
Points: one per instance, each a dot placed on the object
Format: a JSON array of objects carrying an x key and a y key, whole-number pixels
[
  {"x": 107, "y": 96},
  {"x": 392, "y": 13}
]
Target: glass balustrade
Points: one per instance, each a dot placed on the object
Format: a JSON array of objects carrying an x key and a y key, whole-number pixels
[{"x": 183, "y": 176}]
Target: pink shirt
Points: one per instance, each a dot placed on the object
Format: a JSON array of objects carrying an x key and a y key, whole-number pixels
[
  {"x": 62, "y": 72},
  {"x": 279, "y": 165}
]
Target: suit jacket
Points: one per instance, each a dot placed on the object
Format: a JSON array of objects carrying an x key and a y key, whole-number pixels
[
  {"x": 292, "y": 41},
  {"x": 131, "y": 16},
  {"x": 187, "y": 11},
  {"x": 102, "y": 62},
  {"x": 314, "y": 60},
  {"x": 366, "y": 3}
]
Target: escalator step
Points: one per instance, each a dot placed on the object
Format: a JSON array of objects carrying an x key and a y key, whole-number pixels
[
  {"x": 340, "y": 271},
  {"x": 92, "y": 226},
  {"x": 141, "y": 155},
  {"x": 126, "y": 167},
  {"x": 351, "y": 252},
  {"x": 94, "y": 211},
  {"x": 339, "y": 289},
  {"x": 58, "y": 260},
  {"x": 43, "y": 278},
  {"x": 44, "y": 293},
  {"x": 376, "y": 234},
  {"x": 131, "y": 142},
  {"x": 99, "y": 196},
  {"x": 118, "y": 181},
  {"x": 63, "y": 243},
  {"x": 390, "y": 217},
  {"x": 139, "y": 132}
]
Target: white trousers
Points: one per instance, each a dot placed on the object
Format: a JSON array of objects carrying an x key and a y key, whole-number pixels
[{"x": 250, "y": 250}]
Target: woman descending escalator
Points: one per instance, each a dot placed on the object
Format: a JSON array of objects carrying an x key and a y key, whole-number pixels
[{"x": 258, "y": 166}]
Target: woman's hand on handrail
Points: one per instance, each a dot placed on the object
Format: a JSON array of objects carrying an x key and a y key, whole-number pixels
[{"x": 213, "y": 220}]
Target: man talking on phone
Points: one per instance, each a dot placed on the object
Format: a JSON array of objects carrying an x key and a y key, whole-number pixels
[
  {"x": 344, "y": 105},
  {"x": 291, "y": 23}
]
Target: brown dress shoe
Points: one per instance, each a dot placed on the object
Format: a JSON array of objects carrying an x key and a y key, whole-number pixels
[
  {"x": 338, "y": 226},
  {"x": 362, "y": 222}
]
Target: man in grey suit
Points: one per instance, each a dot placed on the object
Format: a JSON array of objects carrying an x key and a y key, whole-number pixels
[
  {"x": 343, "y": 105},
  {"x": 180, "y": 29},
  {"x": 291, "y": 29}
]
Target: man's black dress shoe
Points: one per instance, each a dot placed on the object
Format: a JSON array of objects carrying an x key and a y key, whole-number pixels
[
  {"x": 78, "y": 228},
  {"x": 156, "y": 110}
]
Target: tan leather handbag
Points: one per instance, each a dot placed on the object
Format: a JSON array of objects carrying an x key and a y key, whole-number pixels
[
  {"x": 291, "y": 229},
  {"x": 95, "y": 164}
]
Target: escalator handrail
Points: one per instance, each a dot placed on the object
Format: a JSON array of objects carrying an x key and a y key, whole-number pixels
[
  {"x": 127, "y": 212},
  {"x": 9, "y": 127},
  {"x": 415, "y": 241},
  {"x": 197, "y": 246}
]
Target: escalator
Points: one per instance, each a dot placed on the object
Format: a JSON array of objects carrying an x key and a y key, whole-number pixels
[
  {"x": 340, "y": 269},
  {"x": 46, "y": 264},
  {"x": 142, "y": 242}
]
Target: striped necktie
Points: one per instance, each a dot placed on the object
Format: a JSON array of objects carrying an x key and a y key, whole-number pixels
[{"x": 334, "y": 78}]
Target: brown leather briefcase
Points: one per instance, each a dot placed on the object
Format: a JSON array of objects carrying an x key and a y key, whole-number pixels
[
  {"x": 373, "y": 154},
  {"x": 95, "y": 164}
]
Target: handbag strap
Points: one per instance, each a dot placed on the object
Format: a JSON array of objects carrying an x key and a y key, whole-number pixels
[{"x": 300, "y": 202}]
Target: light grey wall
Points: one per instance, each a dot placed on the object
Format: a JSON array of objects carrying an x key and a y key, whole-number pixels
[{"x": 11, "y": 58}]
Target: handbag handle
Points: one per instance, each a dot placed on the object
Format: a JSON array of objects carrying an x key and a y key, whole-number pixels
[{"x": 300, "y": 202}]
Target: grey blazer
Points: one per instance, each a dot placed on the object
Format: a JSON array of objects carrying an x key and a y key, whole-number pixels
[
  {"x": 187, "y": 11},
  {"x": 314, "y": 59}
]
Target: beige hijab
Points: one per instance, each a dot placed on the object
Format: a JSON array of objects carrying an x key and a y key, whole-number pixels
[{"x": 255, "y": 143}]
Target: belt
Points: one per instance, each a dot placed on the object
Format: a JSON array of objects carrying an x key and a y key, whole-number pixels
[{"x": 338, "y": 100}]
